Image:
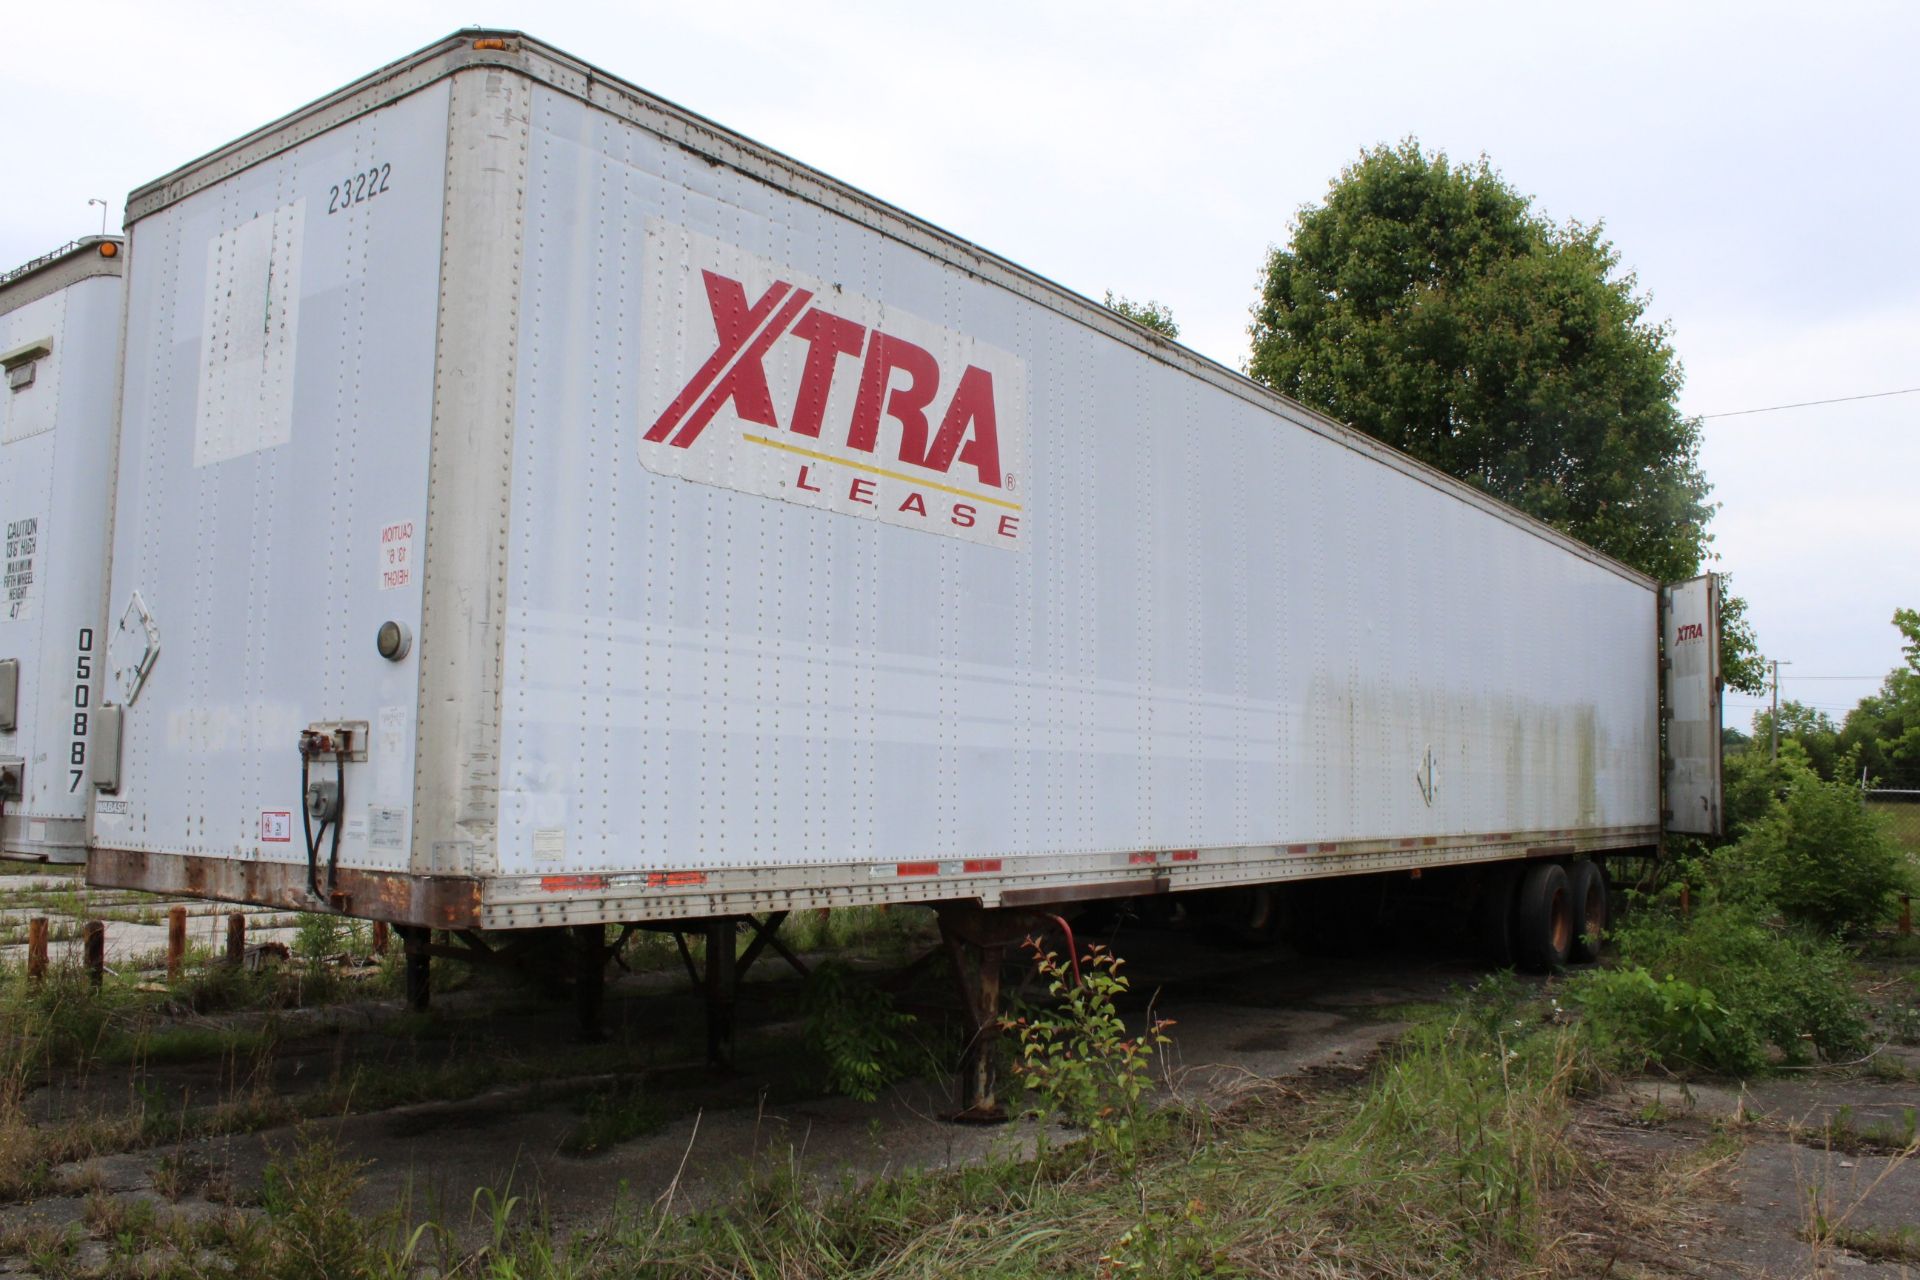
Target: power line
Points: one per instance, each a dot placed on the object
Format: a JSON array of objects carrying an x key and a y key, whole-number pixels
[
  {"x": 1808, "y": 404},
  {"x": 1840, "y": 678}
]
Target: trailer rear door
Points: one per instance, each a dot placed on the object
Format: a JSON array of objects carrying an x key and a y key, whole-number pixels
[{"x": 1690, "y": 613}]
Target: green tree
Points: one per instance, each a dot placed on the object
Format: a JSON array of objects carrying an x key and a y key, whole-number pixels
[
  {"x": 1741, "y": 665},
  {"x": 1156, "y": 316},
  {"x": 1884, "y": 730},
  {"x": 1429, "y": 305},
  {"x": 1814, "y": 730}
]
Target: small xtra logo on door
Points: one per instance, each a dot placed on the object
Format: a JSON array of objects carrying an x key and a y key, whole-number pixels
[{"x": 276, "y": 825}]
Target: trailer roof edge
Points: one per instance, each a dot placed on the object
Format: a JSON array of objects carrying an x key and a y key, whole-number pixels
[
  {"x": 71, "y": 263},
  {"x": 517, "y": 52}
]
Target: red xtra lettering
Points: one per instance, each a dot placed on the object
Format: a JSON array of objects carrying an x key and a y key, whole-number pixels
[
  {"x": 734, "y": 370},
  {"x": 972, "y": 407},
  {"x": 828, "y": 337},
  {"x": 906, "y": 405}
]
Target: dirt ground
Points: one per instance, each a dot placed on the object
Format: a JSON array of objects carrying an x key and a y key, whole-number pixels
[
  {"x": 433, "y": 1133},
  {"x": 1239, "y": 1016},
  {"x": 1786, "y": 1166}
]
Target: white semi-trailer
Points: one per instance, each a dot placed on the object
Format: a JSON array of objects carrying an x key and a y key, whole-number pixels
[
  {"x": 60, "y": 350},
  {"x": 541, "y": 507}
]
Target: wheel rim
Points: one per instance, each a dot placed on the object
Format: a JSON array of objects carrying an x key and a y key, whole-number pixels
[
  {"x": 1561, "y": 930},
  {"x": 1594, "y": 917}
]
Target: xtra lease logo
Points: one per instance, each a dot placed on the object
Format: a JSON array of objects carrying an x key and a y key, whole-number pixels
[{"x": 765, "y": 381}]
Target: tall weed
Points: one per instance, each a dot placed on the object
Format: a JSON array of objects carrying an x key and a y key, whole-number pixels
[{"x": 1076, "y": 1056}]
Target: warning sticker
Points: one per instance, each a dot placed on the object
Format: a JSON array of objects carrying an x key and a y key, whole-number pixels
[
  {"x": 276, "y": 825},
  {"x": 396, "y": 555},
  {"x": 23, "y": 543},
  {"x": 550, "y": 844}
]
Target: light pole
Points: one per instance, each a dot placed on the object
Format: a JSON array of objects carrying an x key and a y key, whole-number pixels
[{"x": 103, "y": 213}]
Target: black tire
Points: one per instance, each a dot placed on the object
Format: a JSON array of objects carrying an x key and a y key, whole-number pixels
[
  {"x": 1544, "y": 920},
  {"x": 1587, "y": 886},
  {"x": 1494, "y": 926}
]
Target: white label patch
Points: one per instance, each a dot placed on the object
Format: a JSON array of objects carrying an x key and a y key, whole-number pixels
[
  {"x": 550, "y": 844},
  {"x": 249, "y": 331},
  {"x": 23, "y": 544},
  {"x": 387, "y": 828},
  {"x": 111, "y": 816},
  {"x": 764, "y": 380},
  {"x": 396, "y": 555},
  {"x": 390, "y": 754},
  {"x": 276, "y": 826}
]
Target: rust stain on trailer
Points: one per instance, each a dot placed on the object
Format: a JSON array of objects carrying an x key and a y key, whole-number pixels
[
  {"x": 437, "y": 902},
  {"x": 1045, "y": 894}
]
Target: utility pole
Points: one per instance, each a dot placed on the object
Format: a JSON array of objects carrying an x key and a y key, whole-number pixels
[{"x": 1775, "y": 717}]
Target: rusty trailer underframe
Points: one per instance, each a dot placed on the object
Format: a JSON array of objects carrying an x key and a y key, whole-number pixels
[{"x": 434, "y": 902}]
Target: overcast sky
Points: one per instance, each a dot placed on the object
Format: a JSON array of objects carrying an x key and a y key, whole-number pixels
[{"x": 1755, "y": 164}]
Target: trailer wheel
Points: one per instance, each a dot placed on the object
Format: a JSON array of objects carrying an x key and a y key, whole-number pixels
[
  {"x": 1497, "y": 890},
  {"x": 1587, "y": 886},
  {"x": 1543, "y": 922}
]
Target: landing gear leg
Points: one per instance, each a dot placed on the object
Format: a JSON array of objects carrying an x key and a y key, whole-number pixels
[
  {"x": 722, "y": 973},
  {"x": 590, "y": 980},
  {"x": 419, "y": 965},
  {"x": 977, "y": 939}
]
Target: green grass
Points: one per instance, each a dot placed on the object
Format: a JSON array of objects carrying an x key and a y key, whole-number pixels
[
  {"x": 1902, "y": 821},
  {"x": 614, "y": 1115},
  {"x": 1876, "y": 1244},
  {"x": 173, "y": 1044},
  {"x": 1452, "y": 1158},
  {"x": 1844, "y": 1131}
]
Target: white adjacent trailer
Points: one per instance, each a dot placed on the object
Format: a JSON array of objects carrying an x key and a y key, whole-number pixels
[
  {"x": 60, "y": 349},
  {"x": 540, "y": 506}
]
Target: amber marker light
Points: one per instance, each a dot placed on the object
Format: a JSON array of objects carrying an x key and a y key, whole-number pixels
[
  {"x": 108, "y": 249},
  {"x": 490, "y": 44}
]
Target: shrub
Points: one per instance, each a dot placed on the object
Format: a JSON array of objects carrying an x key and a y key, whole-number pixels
[
  {"x": 1719, "y": 991},
  {"x": 1634, "y": 1017},
  {"x": 1819, "y": 857},
  {"x": 857, "y": 1033}
]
